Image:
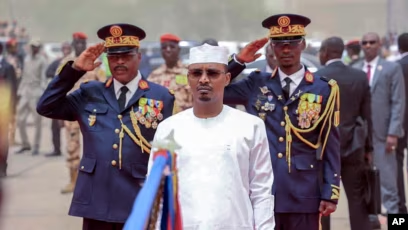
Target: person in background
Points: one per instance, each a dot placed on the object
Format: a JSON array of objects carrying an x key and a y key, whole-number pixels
[
  {"x": 32, "y": 85},
  {"x": 56, "y": 125},
  {"x": 387, "y": 85},
  {"x": 173, "y": 73},
  {"x": 353, "y": 49},
  {"x": 8, "y": 99},
  {"x": 72, "y": 129},
  {"x": 402, "y": 142},
  {"x": 271, "y": 62},
  {"x": 355, "y": 128},
  {"x": 14, "y": 59}
]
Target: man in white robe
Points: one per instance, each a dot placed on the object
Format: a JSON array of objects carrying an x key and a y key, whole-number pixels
[{"x": 224, "y": 166}]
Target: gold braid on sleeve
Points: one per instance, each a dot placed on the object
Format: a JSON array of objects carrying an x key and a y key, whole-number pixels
[{"x": 330, "y": 115}]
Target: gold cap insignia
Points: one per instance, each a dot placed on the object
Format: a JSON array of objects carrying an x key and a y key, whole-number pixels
[
  {"x": 287, "y": 25},
  {"x": 284, "y": 21},
  {"x": 116, "y": 31}
]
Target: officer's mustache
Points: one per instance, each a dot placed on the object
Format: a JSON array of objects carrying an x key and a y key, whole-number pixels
[
  {"x": 286, "y": 56},
  {"x": 120, "y": 67},
  {"x": 204, "y": 87}
]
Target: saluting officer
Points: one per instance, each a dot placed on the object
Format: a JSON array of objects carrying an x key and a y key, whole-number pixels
[
  {"x": 301, "y": 115},
  {"x": 118, "y": 119}
]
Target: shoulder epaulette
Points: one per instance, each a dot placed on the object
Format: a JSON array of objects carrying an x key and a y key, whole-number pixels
[
  {"x": 171, "y": 91},
  {"x": 60, "y": 68},
  {"x": 324, "y": 79},
  {"x": 257, "y": 71},
  {"x": 332, "y": 82}
]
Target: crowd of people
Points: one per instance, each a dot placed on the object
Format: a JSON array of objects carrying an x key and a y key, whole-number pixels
[
  {"x": 279, "y": 167},
  {"x": 12, "y": 30}
]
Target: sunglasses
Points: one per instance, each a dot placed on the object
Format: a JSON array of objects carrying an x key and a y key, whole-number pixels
[
  {"x": 210, "y": 73},
  {"x": 116, "y": 57},
  {"x": 364, "y": 43},
  {"x": 290, "y": 43}
]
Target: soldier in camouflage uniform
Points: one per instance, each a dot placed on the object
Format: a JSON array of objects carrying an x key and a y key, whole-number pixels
[
  {"x": 72, "y": 127},
  {"x": 173, "y": 73}
]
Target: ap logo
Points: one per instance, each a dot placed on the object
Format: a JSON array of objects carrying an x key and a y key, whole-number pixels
[{"x": 397, "y": 221}]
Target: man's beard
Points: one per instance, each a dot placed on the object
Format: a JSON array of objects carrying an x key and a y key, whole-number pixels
[
  {"x": 287, "y": 65},
  {"x": 204, "y": 98}
]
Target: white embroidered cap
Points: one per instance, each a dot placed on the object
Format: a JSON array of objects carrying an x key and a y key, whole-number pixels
[{"x": 208, "y": 54}]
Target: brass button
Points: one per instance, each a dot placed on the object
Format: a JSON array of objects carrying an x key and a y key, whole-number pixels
[
  {"x": 115, "y": 146},
  {"x": 117, "y": 130},
  {"x": 285, "y": 108},
  {"x": 281, "y": 139},
  {"x": 335, "y": 175},
  {"x": 82, "y": 167},
  {"x": 94, "y": 110},
  {"x": 119, "y": 116},
  {"x": 113, "y": 163},
  {"x": 283, "y": 123},
  {"x": 280, "y": 155},
  {"x": 311, "y": 166}
]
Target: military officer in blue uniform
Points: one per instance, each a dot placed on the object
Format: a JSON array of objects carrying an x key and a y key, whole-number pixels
[
  {"x": 301, "y": 115},
  {"x": 118, "y": 119}
]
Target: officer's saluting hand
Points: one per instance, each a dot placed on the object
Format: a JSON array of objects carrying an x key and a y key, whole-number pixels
[{"x": 86, "y": 61}]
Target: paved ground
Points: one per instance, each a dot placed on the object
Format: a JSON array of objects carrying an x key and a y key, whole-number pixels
[{"x": 33, "y": 201}]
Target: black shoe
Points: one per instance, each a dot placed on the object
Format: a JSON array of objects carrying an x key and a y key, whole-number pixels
[
  {"x": 375, "y": 222},
  {"x": 23, "y": 149},
  {"x": 53, "y": 154}
]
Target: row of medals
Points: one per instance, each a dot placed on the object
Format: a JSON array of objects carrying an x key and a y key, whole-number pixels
[
  {"x": 308, "y": 113},
  {"x": 265, "y": 107},
  {"x": 149, "y": 119}
]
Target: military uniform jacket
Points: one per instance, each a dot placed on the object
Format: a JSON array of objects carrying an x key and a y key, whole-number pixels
[
  {"x": 306, "y": 172},
  {"x": 175, "y": 79},
  {"x": 114, "y": 162}
]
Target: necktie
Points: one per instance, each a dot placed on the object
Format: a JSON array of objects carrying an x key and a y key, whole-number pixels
[
  {"x": 368, "y": 73},
  {"x": 122, "y": 97},
  {"x": 286, "y": 88}
]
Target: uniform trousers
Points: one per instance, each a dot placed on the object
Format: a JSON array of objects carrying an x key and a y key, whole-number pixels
[
  {"x": 27, "y": 106},
  {"x": 90, "y": 224},
  {"x": 297, "y": 221},
  {"x": 387, "y": 164},
  {"x": 56, "y": 135}
]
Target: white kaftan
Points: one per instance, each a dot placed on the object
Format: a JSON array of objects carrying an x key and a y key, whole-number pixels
[{"x": 224, "y": 170}]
